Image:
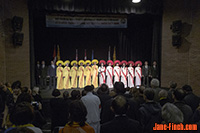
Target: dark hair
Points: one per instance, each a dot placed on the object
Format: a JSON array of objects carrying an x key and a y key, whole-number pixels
[
  {"x": 103, "y": 89},
  {"x": 55, "y": 93},
  {"x": 89, "y": 88},
  {"x": 119, "y": 105},
  {"x": 83, "y": 93},
  {"x": 75, "y": 94},
  {"x": 16, "y": 85},
  {"x": 119, "y": 88},
  {"x": 78, "y": 113},
  {"x": 179, "y": 94},
  {"x": 149, "y": 93},
  {"x": 65, "y": 94},
  {"x": 22, "y": 114},
  {"x": 24, "y": 97},
  {"x": 24, "y": 89},
  {"x": 187, "y": 88},
  {"x": 173, "y": 84}
]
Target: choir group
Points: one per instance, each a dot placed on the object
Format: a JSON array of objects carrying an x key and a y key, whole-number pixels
[{"x": 88, "y": 73}]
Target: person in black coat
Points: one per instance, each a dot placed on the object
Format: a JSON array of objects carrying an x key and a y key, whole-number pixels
[
  {"x": 178, "y": 96},
  {"x": 150, "y": 112},
  {"x": 121, "y": 123},
  {"x": 190, "y": 99},
  {"x": 107, "y": 113},
  {"x": 52, "y": 75}
]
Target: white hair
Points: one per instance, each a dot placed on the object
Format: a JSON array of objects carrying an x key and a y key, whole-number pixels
[{"x": 155, "y": 82}]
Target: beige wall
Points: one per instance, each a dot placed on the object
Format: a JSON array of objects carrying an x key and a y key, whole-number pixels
[
  {"x": 181, "y": 64},
  {"x": 14, "y": 61}
]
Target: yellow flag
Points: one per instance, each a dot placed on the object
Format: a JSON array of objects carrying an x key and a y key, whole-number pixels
[
  {"x": 58, "y": 52},
  {"x": 114, "y": 54}
]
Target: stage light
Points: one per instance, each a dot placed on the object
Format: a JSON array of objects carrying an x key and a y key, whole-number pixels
[{"x": 136, "y": 1}]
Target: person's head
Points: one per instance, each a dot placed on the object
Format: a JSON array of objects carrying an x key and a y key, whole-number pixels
[
  {"x": 148, "y": 94},
  {"x": 75, "y": 95},
  {"x": 38, "y": 63},
  {"x": 16, "y": 85},
  {"x": 43, "y": 62},
  {"x": 55, "y": 93},
  {"x": 74, "y": 64},
  {"x": 65, "y": 94},
  {"x": 130, "y": 65},
  {"x": 8, "y": 84},
  {"x": 154, "y": 63},
  {"x": 88, "y": 64},
  {"x": 60, "y": 64},
  {"x": 83, "y": 93},
  {"x": 187, "y": 88},
  {"x": 103, "y": 89},
  {"x": 89, "y": 88},
  {"x": 124, "y": 64},
  {"x": 178, "y": 94},
  {"x": 172, "y": 114},
  {"x": 22, "y": 114},
  {"x": 24, "y": 89},
  {"x": 146, "y": 63},
  {"x": 172, "y": 84},
  {"x": 24, "y": 97},
  {"x": 81, "y": 64},
  {"x": 52, "y": 62},
  {"x": 163, "y": 94},
  {"x": 117, "y": 64},
  {"x": 155, "y": 83},
  {"x": 35, "y": 90},
  {"x": 94, "y": 63},
  {"x": 119, "y": 88},
  {"x": 138, "y": 65},
  {"x": 102, "y": 64},
  {"x": 119, "y": 105},
  {"x": 78, "y": 112},
  {"x": 109, "y": 64}
]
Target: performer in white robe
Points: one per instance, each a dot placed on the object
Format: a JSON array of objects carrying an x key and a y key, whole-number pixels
[
  {"x": 131, "y": 74},
  {"x": 102, "y": 70},
  {"x": 117, "y": 71},
  {"x": 138, "y": 73},
  {"x": 109, "y": 74},
  {"x": 124, "y": 73}
]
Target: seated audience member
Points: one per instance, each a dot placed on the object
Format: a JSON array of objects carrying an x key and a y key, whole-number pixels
[
  {"x": 150, "y": 112},
  {"x": 93, "y": 106},
  {"x": 77, "y": 120},
  {"x": 36, "y": 95},
  {"x": 172, "y": 87},
  {"x": 121, "y": 123},
  {"x": 83, "y": 93},
  {"x": 178, "y": 96},
  {"x": 38, "y": 120},
  {"x": 155, "y": 86},
  {"x": 8, "y": 85},
  {"x": 132, "y": 112},
  {"x": 65, "y": 110},
  {"x": 190, "y": 99},
  {"x": 22, "y": 116},
  {"x": 56, "y": 107},
  {"x": 75, "y": 95},
  {"x": 163, "y": 97},
  {"x": 171, "y": 114},
  {"x": 139, "y": 97}
]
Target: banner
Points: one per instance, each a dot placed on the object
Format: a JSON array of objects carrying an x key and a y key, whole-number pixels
[{"x": 86, "y": 21}]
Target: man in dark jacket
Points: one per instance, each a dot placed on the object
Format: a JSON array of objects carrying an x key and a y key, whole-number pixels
[
  {"x": 178, "y": 96},
  {"x": 132, "y": 112},
  {"x": 121, "y": 123},
  {"x": 150, "y": 112},
  {"x": 43, "y": 76},
  {"x": 52, "y": 75},
  {"x": 190, "y": 99},
  {"x": 146, "y": 73}
]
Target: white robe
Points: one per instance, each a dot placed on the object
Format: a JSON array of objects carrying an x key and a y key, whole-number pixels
[
  {"x": 131, "y": 76},
  {"x": 117, "y": 74},
  {"x": 138, "y": 74},
  {"x": 109, "y": 74},
  {"x": 124, "y": 72},
  {"x": 102, "y": 76}
]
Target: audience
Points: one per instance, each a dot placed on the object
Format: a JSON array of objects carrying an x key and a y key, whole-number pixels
[
  {"x": 120, "y": 110},
  {"x": 93, "y": 106},
  {"x": 178, "y": 96},
  {"x": 171, "y": 114},
  {"x": 163, "y": 97},
  {"x": 77, "y": 120},
  {"x": 190, "y": 99},
  {"x": 22, "y": 116},
  {"x": 150, "y": 112},
  {"x": 121, "y": 123}
]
